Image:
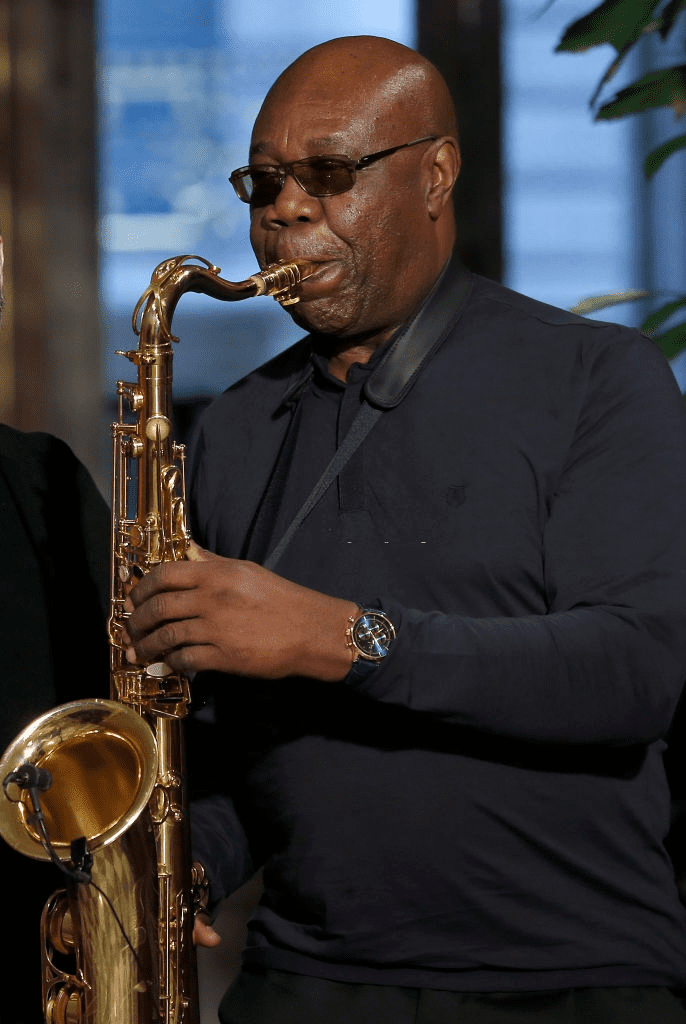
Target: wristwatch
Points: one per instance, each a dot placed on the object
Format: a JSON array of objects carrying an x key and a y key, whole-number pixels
[{"x": 370, "y": 635}]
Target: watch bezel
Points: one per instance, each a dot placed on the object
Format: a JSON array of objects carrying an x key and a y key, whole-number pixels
[{"x": 366, "y": 648}]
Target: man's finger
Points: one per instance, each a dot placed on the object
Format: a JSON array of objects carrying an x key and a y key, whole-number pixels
[
  {"x": 166, "y": 606},
  {"x": 167, "y": 576},
  {"x": 167, "y": 637}
]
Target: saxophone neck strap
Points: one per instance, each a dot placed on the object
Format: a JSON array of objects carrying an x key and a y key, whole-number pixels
[
  {"x": 409, "y": 352},
  {"x": 391, "y": 381}
]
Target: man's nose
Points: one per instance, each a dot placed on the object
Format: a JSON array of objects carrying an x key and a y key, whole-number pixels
[{"x": 294, "y": 204}]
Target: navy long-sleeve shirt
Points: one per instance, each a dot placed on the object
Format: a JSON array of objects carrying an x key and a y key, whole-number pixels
[{"x": 486, "y": 810}]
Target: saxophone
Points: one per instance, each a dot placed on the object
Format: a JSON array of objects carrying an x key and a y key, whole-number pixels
[{"x": 97, "y": 786}]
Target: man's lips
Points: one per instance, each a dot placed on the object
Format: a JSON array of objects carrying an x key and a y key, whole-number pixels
[
  {"x": 320, "y": 267},
  {"x": 286, "y": 257},
  {"x": 319, "y": 281},
  {"x": 322, "y": 281}
]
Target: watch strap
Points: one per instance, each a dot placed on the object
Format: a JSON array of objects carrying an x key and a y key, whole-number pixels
[{"x": 360, "y": 669}]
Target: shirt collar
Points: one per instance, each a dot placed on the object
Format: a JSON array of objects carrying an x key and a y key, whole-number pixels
[{"x": 316, "y": 366}]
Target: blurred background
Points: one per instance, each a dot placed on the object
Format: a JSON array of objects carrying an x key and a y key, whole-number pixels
[{"x": 120, "y": 122}]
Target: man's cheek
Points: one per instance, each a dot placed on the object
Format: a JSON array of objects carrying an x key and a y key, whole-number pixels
[{"x": 256, "y": 237}]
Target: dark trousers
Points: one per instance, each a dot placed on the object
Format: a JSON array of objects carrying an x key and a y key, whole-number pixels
[{"x": 277, "y": 997}]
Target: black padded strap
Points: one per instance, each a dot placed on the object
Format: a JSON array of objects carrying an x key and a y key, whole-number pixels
[{"x": 392, "y": 379}]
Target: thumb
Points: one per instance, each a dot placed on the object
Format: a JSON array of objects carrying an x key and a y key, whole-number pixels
[
  {"x": 197, "y": 554},
  {"x": 204, "y": 934}
]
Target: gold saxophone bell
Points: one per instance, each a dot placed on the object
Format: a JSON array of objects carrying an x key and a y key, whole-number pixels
[{"x": 102, "y": 758}]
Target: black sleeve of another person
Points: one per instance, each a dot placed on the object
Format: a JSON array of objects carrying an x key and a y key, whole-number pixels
[{"x": 53, "y": 605}]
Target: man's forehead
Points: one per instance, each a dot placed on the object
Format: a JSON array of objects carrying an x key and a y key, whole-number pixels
[
  {"x": 336, "y": 142},
  {"x": 308, "y": 128},
  {"x": 312, "y": 117}
]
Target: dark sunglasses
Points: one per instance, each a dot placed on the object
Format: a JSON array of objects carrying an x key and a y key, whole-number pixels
[{"x": 317, "y": 175}]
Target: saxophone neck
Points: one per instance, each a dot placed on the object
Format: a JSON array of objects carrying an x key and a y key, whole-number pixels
[{"x": 175, "y": 276}]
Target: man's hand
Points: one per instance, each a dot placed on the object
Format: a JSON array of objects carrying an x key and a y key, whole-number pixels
[
  {"x": 235, "y": 616},
  {"x": 204, "y": 934}
]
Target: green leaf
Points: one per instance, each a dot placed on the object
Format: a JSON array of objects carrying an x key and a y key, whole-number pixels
[
  {"x": 668, "y": 16},
  {"x": 617, "y": 22},
  {"x": 672, "y": 341},
  {"x": 659, "y": 155},
  {"x": 610, "y": 72},
  {"x": 656, "y": 89},
  {"x": 597, "y": 302},
  {"x": 659, "y": 316}
]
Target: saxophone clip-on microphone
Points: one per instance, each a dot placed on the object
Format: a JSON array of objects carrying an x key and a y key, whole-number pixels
[
  {"x": 33, "y": 779},
  {"x": 28, "y": 776}
]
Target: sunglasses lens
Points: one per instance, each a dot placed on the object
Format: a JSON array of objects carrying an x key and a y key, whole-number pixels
[
  {"x": 318, "y": 176},
  {"x": 322, "y": 177},
  {"x": 262, "y": 187}
]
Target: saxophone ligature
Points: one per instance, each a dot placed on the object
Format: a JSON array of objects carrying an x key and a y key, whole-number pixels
[{"x": 98, "y": 786}]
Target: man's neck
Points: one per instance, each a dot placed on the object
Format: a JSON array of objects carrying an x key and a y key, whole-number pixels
[
  {"x": 361, "y": 349},
  {"x": 357, "y": 352}
]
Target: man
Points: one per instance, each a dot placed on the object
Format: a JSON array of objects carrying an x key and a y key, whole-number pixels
[
  {"x": 55, "y": 556},
  {"x": 440, "y": 723}
]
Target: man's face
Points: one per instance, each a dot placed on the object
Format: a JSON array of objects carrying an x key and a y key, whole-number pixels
[{"x": 367, "y": 240}]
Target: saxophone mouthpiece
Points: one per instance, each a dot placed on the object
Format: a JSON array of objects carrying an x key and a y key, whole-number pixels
[{"x": 281, "y": 280}]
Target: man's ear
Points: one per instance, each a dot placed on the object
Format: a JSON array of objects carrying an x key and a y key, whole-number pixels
[{"x": 443, "y": 175}]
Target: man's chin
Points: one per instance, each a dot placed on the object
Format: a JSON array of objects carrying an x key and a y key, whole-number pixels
[
  {"x": 326, "y": 304},
  {"x": 313, "y": 316},
  {"x": 326, "y": 314}
]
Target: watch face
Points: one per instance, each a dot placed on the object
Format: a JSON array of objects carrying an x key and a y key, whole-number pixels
[{"x": 373, "y": 634}]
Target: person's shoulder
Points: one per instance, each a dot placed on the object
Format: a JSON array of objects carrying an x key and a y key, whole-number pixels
[
  {"x": 277, "y": 372},
  {"x": 46, "y": 478},
  {"x": 38, "y": 462},
  {"x": 518, "y": 327},
  {"x": 496, "y": 301},
  {"x": 568, "y": 350},
  {"x": 265, "y": 388},
  {"x": 29, "y": 449}
]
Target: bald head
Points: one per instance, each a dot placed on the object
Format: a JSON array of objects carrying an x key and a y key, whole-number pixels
[
  {"x": 382, "y": 77},
  {"x": 383, "y": 114}
]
